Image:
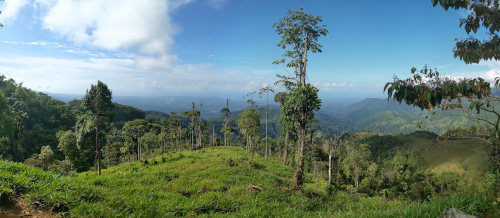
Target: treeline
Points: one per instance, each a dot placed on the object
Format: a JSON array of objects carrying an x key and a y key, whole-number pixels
[
  {"x": 51, "y": 134},
  {"x": 63, "y": 138},
  {"x": 376, "y": 165}
]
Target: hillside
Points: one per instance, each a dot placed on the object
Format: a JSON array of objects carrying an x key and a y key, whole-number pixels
[
  {"x": 208, "y": 182},
  {"x": 373, "y": 115},
  {"x": 337, "y": 115},
  {"x": 464, "y": 157}
]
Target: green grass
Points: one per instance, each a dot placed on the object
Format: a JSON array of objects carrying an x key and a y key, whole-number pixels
[
  {"x": 465, "y": 157},
  {"x": 209, "y": 182}
]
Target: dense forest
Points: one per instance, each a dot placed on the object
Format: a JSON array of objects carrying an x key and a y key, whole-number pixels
[{"x": 94, "y": 157}]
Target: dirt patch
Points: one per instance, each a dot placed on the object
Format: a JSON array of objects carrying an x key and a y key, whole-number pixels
[{"x": 22, "y": 209}]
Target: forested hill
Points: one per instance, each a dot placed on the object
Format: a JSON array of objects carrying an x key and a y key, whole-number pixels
[
  {"x": 39, "y": 117},
  {"x": 336, "y": 115},
  {"x": 373, "y": 115}
]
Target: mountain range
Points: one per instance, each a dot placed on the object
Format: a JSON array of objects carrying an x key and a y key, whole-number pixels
[{"x": 336, "y": 115}]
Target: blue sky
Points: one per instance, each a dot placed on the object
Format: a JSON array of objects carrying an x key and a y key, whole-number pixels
[{"x": 221, "y": 47}]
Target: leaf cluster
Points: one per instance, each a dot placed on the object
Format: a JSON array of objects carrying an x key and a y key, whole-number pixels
[
  {"x": 427, "y": 90},
  {"x": 299, "y": 33},
  {"x": 483, "y": 13},
  {"x": 299, "y": 104}
]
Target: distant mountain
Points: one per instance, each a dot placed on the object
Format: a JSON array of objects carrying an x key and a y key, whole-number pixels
[
  {"x": 166, "y": 104},
  {"x": 336, "y": 115}
]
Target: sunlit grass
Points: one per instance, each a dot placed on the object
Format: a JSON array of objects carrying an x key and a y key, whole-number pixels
[{"x": 208, "y": 182}]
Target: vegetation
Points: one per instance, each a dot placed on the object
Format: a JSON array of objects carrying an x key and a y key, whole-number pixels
[
  {"x": 299, "y": 34},
  {"x": 305, "y": 167},
  {"x": 211, "y": 182},
  {"x": 427, "y": 90}
]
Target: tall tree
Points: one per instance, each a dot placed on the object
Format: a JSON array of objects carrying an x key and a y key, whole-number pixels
[
  {"x": 20, "y": 108},
  {"x": 175, "y": 126},
  {"x": 332, "y": 144},
  {"x": 299, "y": 33},
  {"x": 226, "y": 112},
  {"x": 266, "y": 90},
  {"x": 164, "y": 134},
  {"x": 298, "y": 108},
  {"x": 193, "y": 116},
  {"x": 97, "y": 102},
  {"x": 7, "y": 122},
  {"x": 249, "y": 125},
  {"x": 132, "y": 131},
  {"x": 356, "y": 159},
  {"x": 200, "y": 129},
  {"x": 285, "y": 127},
  {"x": 148, "y": 142}
]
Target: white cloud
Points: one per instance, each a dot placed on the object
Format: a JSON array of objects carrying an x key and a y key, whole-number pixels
[
  {"x": 60, "y": 75},
  {"x": 113, "y": 24},
  {"x": 11, "y": 9},
  {"x": 489, "y": 75},
  {"x": 125, "y": 43},
  {"x": 492, "y": 73},
  {"x": 331, "y": 86}
]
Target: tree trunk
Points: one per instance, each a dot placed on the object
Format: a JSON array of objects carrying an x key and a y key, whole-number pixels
[
  {"x": 267, "y": 107},
  {"x": 356, "y": 177},
  {"x": 251, "y": 145},
  {"x": 299, "y": 180},
  {"x": 285, "y": 149},
  {"x": 338, "y": 170},
  {"x": 172, "y": 142},
  {"x": 330, "y": 155},
  {"x": 200, "y": 130},
  {"x": 97, "y": 150},
  {"x": 497, "y": 134},
  {"x": 16, "y": 141}
]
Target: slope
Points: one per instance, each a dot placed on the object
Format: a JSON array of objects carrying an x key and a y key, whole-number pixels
[
  {"x": 464, "y": 157},
  {"x": 209, "y": 182}
]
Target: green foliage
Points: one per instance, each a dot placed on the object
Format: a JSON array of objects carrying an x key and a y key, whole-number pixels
[
  {"x": 36, "y": 119},
  {"x": 44, "y": 160},
  {"x": 299, "y": 105},
  {"x": 356, "y": 160},
  {"x": 150, "y": 141},
  {"x": 426, "y": 90},
  {"x": 299, "y": 33},
  {"x": 6, "y": 124},
  {"x": 6, "y": 117},
  {"x": 79, "y": 155},
  {"x": 97, "y": 101},
  {"x": 97, "y": 104},
  {"x": 249, "y": 125},
  {"x": 211, "y": 182},
  {"x": 85, "y": 141},
  {"x": 483, "y": 13},
  {"x": 123, "y": 113},
  {"x": 131, "y": 132}
]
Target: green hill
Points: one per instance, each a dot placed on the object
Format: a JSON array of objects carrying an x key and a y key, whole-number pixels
[
  {"x": 208, "y": 182},
  {"x": 374, "y": 115},
  {"x": 465, "y": 157}
]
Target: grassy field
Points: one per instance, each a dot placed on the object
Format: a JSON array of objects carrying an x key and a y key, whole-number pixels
[
  {"x": 465, "y": 157},
  {"x": 208, "y": 182}
]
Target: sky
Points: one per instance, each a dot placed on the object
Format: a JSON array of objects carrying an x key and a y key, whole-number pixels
[{"x": 222, "y": 47}]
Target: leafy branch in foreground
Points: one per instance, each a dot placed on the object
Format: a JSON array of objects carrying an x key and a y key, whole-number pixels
[{"x": 482, "y": 13}]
